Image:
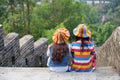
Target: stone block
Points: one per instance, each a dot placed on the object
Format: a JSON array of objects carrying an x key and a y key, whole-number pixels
[
  {"x": 26, "y": 45},
  {"x": 11, "y": 49},
  {"x": 40, "y": 48}
]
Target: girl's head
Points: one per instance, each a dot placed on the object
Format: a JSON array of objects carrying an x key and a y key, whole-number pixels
[
  {"x": 60, "y": 36},
  {"x": 60, "y": 48},
  {"x": 81, "y": 31}
]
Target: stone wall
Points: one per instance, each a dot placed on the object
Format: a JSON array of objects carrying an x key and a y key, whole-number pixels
[
  {"x": 22, "y": 52},
  {"x": 109, "y": 53},
  {"x": 25, "y": 52}
]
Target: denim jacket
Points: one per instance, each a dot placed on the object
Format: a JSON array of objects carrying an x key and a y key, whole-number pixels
[{"x": 52, "y": 63}]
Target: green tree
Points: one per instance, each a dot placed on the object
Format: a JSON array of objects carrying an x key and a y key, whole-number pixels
[
  {"x": 115, "y": 16},
  {"x": 3, "y": 10},
  {"x": 103, "y": 32},
  {"x": 18, "y": 18},
  {"x": 114, "y": 4}
]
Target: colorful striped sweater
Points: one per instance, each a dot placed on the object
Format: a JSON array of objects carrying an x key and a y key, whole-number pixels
[{"x": 83, "y": 58}]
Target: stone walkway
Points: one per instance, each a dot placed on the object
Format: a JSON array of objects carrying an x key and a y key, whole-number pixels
[{"x": 102, "y": 73}]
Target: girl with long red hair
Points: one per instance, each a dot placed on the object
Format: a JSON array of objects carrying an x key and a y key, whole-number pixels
[{"x": 58, "y": 52}]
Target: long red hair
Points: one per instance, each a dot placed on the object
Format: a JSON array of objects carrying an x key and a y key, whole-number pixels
[{"x": 59, "y": 50}]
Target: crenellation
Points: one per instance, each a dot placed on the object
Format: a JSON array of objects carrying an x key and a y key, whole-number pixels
[
  {"x": 21, "y": 52},
  {"x": 12, "y": 41},
  {"x": 40, "y": 42},
  {"x": 26, "y": 49},
  {"x": 26, "y": 45},
  {"x": 11, "y": 49},
  {"x": 40, "y": 48}
]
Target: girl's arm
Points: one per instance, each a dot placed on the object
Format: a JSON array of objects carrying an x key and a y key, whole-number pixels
[
  {"x": 48, "y": 50},
  {"x": 93, "y": 53},
  {"x": 70, "y": 55},
  {"x": 69, "y": 46}
]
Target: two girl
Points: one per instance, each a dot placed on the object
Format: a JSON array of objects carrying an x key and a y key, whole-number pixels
[{"x": 81, "y": 50}]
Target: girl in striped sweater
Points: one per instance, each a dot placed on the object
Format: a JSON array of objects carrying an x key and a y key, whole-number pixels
[{"x": 83, "y": 52}]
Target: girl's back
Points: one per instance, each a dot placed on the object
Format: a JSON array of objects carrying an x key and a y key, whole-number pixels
[{"x": 82, "y": 50}]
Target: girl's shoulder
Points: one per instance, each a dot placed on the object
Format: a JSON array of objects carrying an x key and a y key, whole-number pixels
[
  {"x": 79, "y": 42},
  {"x": 68, "y": 44},
  {"x": 50, "y": 45}
]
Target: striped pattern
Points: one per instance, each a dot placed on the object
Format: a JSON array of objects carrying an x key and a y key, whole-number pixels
[
  {"x": 82, "y": 31},
  {"x": 61, "y": 35},
  {"x": 83, "y": 59}
]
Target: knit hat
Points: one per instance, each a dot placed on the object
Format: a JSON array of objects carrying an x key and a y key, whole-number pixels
[
  {"x": 82, "y": 31},
  {"x": 61, "y": 35}
]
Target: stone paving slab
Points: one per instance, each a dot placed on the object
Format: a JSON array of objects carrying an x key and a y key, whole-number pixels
[
  {"x": 44, "y": 74},
  {"x": 73, "y": 76}
]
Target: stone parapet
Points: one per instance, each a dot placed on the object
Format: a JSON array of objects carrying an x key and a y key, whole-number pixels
[
  {"x": 21, "y": 52},
  {"x": 109, "y": 52}
]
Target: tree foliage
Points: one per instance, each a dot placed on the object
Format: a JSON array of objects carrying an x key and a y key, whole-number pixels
[{"x": 25, "y": 17}]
